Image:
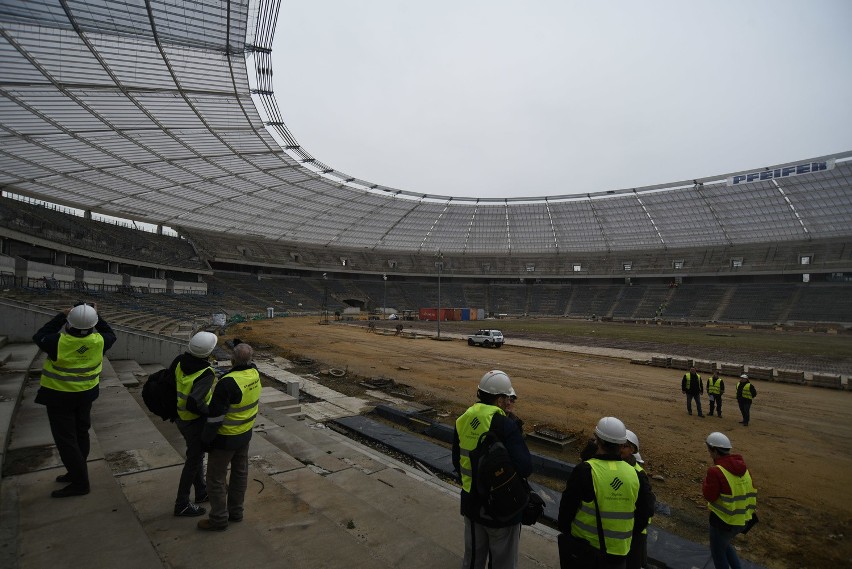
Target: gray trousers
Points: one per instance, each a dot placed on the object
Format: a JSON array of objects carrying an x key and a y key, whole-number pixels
[
  {"x": 227, "y": 496},
  {"x": 480, "y": 542}
]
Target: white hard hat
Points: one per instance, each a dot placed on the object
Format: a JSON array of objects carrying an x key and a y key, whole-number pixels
[
  {"x": 744, "y": 376},
  {"x": 633, "y": 439},
  {"x": 638, "y": 458},
  {"x": 496, "y": 382},
  {"x": 82, "y": 317},
  {"x": 611, "y": 430},
  {"x": 718, "y": 440},
  {"x": 202, "y": 344}
]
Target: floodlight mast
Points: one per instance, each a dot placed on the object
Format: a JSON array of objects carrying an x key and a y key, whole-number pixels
[{"x": 440, "y": 266}]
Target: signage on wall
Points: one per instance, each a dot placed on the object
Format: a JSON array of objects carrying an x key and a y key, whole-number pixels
[{"x": 784, "y": 172}]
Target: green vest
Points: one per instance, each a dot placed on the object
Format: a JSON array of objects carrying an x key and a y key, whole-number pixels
[
  {"x": 184, "y": 388},
  {"x": 78, "y": 363},
  {"x": 714, "y": 386},
  {"x": 616, "y": 486},
  {"x": 639, "y": 469},
  {"x": 688, "y": 377},
  {"x": 736, "y": 508},
  {"x": 745, "y": 393},
  {"x": 240, "y": 417},
  {"x": 469, "y": 427}
]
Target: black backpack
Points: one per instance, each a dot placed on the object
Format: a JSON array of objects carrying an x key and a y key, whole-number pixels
[
  {"x": 160, "y": 394},
  {"x": 503, "y": 493}
]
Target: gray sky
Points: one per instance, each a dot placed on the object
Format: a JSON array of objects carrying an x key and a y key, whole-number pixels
[{"x": 492, "y": 98}]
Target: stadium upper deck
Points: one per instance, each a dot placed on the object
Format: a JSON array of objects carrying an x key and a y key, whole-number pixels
[{"x": 147, "y": 111}]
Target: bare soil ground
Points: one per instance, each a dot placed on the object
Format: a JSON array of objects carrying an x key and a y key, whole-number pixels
[{"x": 796, "y": 445}]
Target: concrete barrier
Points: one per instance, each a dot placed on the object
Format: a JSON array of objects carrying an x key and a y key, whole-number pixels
[
  {"x": 827, "y": 381},
  {"x": 760, "y": 373},
  {"x": 707, "y": 367},
  {"x": 661, "y": 362},
  {"x": 679, "y": 363},
  {"x": 732, "y": 369},
  {"x": 790, "y": 376}
]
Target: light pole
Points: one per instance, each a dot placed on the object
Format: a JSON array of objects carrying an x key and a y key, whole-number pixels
[
  {"x": 440, "y": 266},
  {"x": 384, "y": 296},
  {"x": 324, "y": 319}
]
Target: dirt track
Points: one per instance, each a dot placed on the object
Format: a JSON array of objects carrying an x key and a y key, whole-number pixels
[{"x": 796, "y": 446}]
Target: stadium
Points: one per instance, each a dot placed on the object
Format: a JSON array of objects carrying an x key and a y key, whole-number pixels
[{"x": 162, "y": 115}]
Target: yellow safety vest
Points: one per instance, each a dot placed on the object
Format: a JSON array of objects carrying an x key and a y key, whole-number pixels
[
  {"x": 184, "y": 388},
  {"x": 639, "y": 469},
  {"x": 714, "y": 387},
  {"x": 688, "y": 377},
  {"x": 745, "y": 392},
  {"x": 78, "y": 364},
  {"x": 616, "y": 485},
  {"x": 240, "y": 417},
  {"x": 736, "y": 508},
  {"x": 469, "y": 427}
]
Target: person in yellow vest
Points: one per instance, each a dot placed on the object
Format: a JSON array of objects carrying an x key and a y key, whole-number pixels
[
  {"x": 485, "y": 537},
  {"x": 194, "y": 378},
  {"x": 227, "y": 433},
  {"x": 731, "y": 498},
  {"x": 692, "y": 385},
  {"x": 75, "y": 341},
  {"x": 715, "y": 390},
  {"x": 602, "y": 505},
  {"x": 745, "y": 395},
  {"x": 637, "y": 557}
]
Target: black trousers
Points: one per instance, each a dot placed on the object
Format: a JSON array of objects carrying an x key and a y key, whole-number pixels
[{"x": 70, "y": 429}]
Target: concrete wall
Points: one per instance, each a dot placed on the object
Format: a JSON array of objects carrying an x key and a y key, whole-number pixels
[
  {"x": 19, "y": 321},
  {"x": 35, "y": 270},
  {"x": 151, "y": 283},
  {"x": 106, "y": 279}
]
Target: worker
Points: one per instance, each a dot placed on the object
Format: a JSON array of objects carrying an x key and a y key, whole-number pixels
[
  {"x": 194, "y": 378},
  {"x": 75, "y": 341},
  {"x": 602, "y": 505},
  {"x": 745, "y": 395},
  {"x": 637, "y": 557},
  {"x": 731, "y": 499},
  {"x": 715, "y": 390},
  {"x": 485, "y": 537},
  {"x": 693, "y": 387}
]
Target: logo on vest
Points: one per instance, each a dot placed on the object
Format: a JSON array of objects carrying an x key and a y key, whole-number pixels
[
  {"x": 82, "y": 350},
  {"x": 616, "y": 483},
  {"x": 475, "y": 423}
]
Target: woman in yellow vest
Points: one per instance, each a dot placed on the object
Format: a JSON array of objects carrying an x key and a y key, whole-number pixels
[
  {"x": 194, "y": 381},
  {"x": 731, "y": 498},
  {"x": 75, "y": 341},
  {"x": 227, "y": 433},
  {"x": 602, "y": 505}
]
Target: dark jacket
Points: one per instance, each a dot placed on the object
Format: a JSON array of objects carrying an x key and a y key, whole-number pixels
[
  {"x": 742, "y": 385},
  {"x": 580, "y": 488},
  {"x": 508, "y": 432},
  {"x": 190, "y": 364},
  {"x": 47, "y": 338},
  {"x": 696, "y": 385},
  {"x": 225, "y": 393},
  {"x": 715, "y": 482}
]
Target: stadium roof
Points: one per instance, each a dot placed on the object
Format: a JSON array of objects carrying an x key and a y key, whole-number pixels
[{"x": 162, "y": 111}]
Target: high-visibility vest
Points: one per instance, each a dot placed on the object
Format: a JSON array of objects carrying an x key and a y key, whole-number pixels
[
  {"x": 745, "y": 392},
  {"x": 184, "y": 388},
  {"x": 639, "y": 469},
  {"x": 714, "y": 386},
  {"x": 736, "y": 508},
  {"x": 78, "y": 364},
  {"x": 616, "y": 486},
  {"x": 240, "y": 416},
  {"x": 469, "y": 427},
  {"x": 688, "y": 377}
]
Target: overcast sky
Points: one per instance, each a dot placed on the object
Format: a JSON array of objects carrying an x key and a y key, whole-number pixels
[{"x": 494, "y": 98}]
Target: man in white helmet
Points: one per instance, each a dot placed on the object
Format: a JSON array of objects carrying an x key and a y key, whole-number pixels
[
  {"x": 637, "y": 557},
  {"x": 731, "y": 498},
  {"x": 75, "y": 341},
  {"x": 486, "y": 537},
  {"x": 194, "y": 378},
  {"x": 602, "y": 505}
]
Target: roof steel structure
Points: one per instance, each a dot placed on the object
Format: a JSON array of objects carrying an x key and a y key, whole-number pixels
[{"x": 162, "y": 111}]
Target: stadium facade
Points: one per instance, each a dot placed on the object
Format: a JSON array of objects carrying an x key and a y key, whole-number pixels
[{"x": 163, "y": 112}]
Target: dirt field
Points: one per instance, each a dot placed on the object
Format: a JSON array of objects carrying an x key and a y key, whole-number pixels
[{"x": 797, "y": 445}]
